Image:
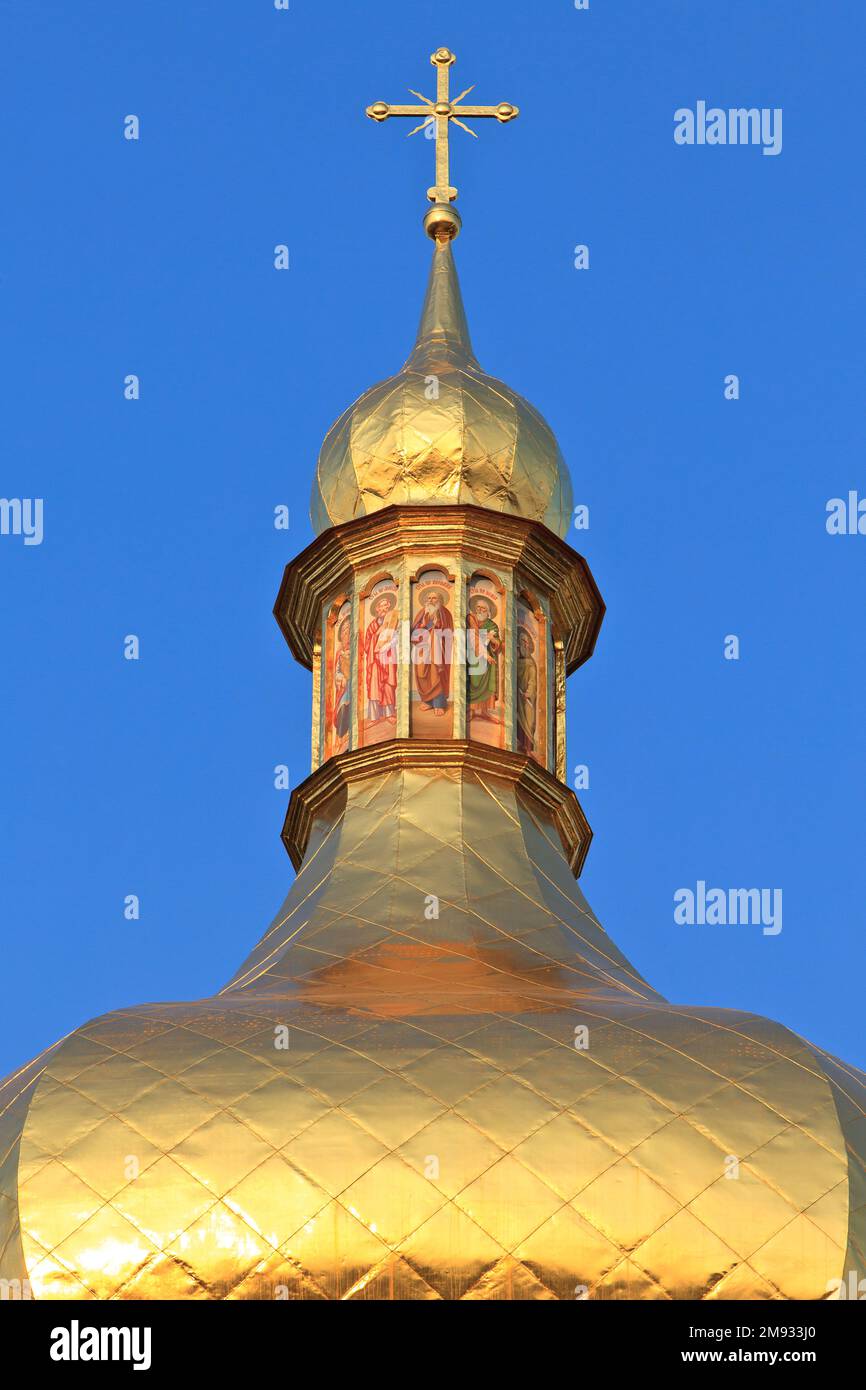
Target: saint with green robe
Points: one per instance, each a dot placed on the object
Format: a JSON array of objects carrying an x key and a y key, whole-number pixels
[{"x": 485, "y": 646}]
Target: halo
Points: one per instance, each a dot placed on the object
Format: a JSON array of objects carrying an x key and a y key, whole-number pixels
[
  {"x": 425, "y": 594},
  {"x": 475, "y": 599},
  {"x": 388, "y": 595}
]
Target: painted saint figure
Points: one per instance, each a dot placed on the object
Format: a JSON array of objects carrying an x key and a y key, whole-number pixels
[
  {"x": 432, "y": 640},
  {"x": 527, "y": 692},
  {"x": 485, "y": 645},
  {"x": 342, "y": 714},
  {"x": 380, "y": 659}
]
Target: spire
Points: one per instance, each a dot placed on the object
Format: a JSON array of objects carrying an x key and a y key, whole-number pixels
[{"x": 443, "y": 331}]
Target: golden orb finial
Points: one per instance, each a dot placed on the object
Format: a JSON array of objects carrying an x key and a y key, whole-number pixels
[{"x": 442, "y": 222}]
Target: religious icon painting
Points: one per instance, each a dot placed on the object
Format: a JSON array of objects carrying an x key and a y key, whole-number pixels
[
  {"x": 485, "y": 655},
  {"x": 377, "y": 661},
  {"x": 337, "y": 677},
  {"x": 532, "y": 700},
  {"x": 431, "y": 647}
]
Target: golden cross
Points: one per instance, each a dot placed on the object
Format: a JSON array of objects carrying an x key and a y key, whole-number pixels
[{"x": 439, "y": 114}]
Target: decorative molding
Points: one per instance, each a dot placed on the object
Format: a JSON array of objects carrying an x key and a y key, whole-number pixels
[
  {"x": 559, "y": 674},
  {"x": 539, "y": 787},
  {"x": 476, "y": 534}
]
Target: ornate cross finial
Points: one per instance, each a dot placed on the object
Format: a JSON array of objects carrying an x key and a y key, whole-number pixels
[{"x": 442, "y": 221}]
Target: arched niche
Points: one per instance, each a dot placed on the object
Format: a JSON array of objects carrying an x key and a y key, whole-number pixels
[
  {"x": 337, "y": 676},
  {"x": 486, "y": 637},
  {"x": 378, "y": 651},
  {"x": 532, "y": 678}
]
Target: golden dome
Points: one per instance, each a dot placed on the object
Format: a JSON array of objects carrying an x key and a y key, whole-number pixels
[
  {"x": 441, "y": 432},
  {"x": 382, "y": 1106}
]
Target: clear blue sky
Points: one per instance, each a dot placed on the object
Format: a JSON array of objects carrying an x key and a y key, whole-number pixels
[{"x": 707, "y": 516}]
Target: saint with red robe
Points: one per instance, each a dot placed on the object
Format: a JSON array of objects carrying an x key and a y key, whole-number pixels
[{"x": 380, "y": 659}]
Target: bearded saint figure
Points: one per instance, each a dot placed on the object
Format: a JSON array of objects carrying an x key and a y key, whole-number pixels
[
  {"x": 431, "y": 639},
  {"x": 527, "y": 692},
  {"x": 380, "y": 659},
  {"x": 485, "y": 644}
]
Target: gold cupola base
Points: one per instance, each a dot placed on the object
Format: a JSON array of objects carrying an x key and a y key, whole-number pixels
[
  {"x": 454, "y": 761},
  {"x": 455, "y": 851}
]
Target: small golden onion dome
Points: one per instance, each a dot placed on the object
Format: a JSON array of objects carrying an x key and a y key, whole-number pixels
[{"x": 441, "y": 432}]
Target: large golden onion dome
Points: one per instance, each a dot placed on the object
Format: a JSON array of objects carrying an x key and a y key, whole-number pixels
[{"x": 441, "y": 431}]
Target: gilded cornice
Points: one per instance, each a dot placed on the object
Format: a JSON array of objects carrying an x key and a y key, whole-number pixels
[
  {"x": 448, "y": 756},
  {"x": 474, "y": 532}
]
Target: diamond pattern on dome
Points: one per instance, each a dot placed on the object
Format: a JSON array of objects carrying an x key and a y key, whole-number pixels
[
  {"x": 441, "y": 431},
  {"x": 431, "y": 1130}
]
